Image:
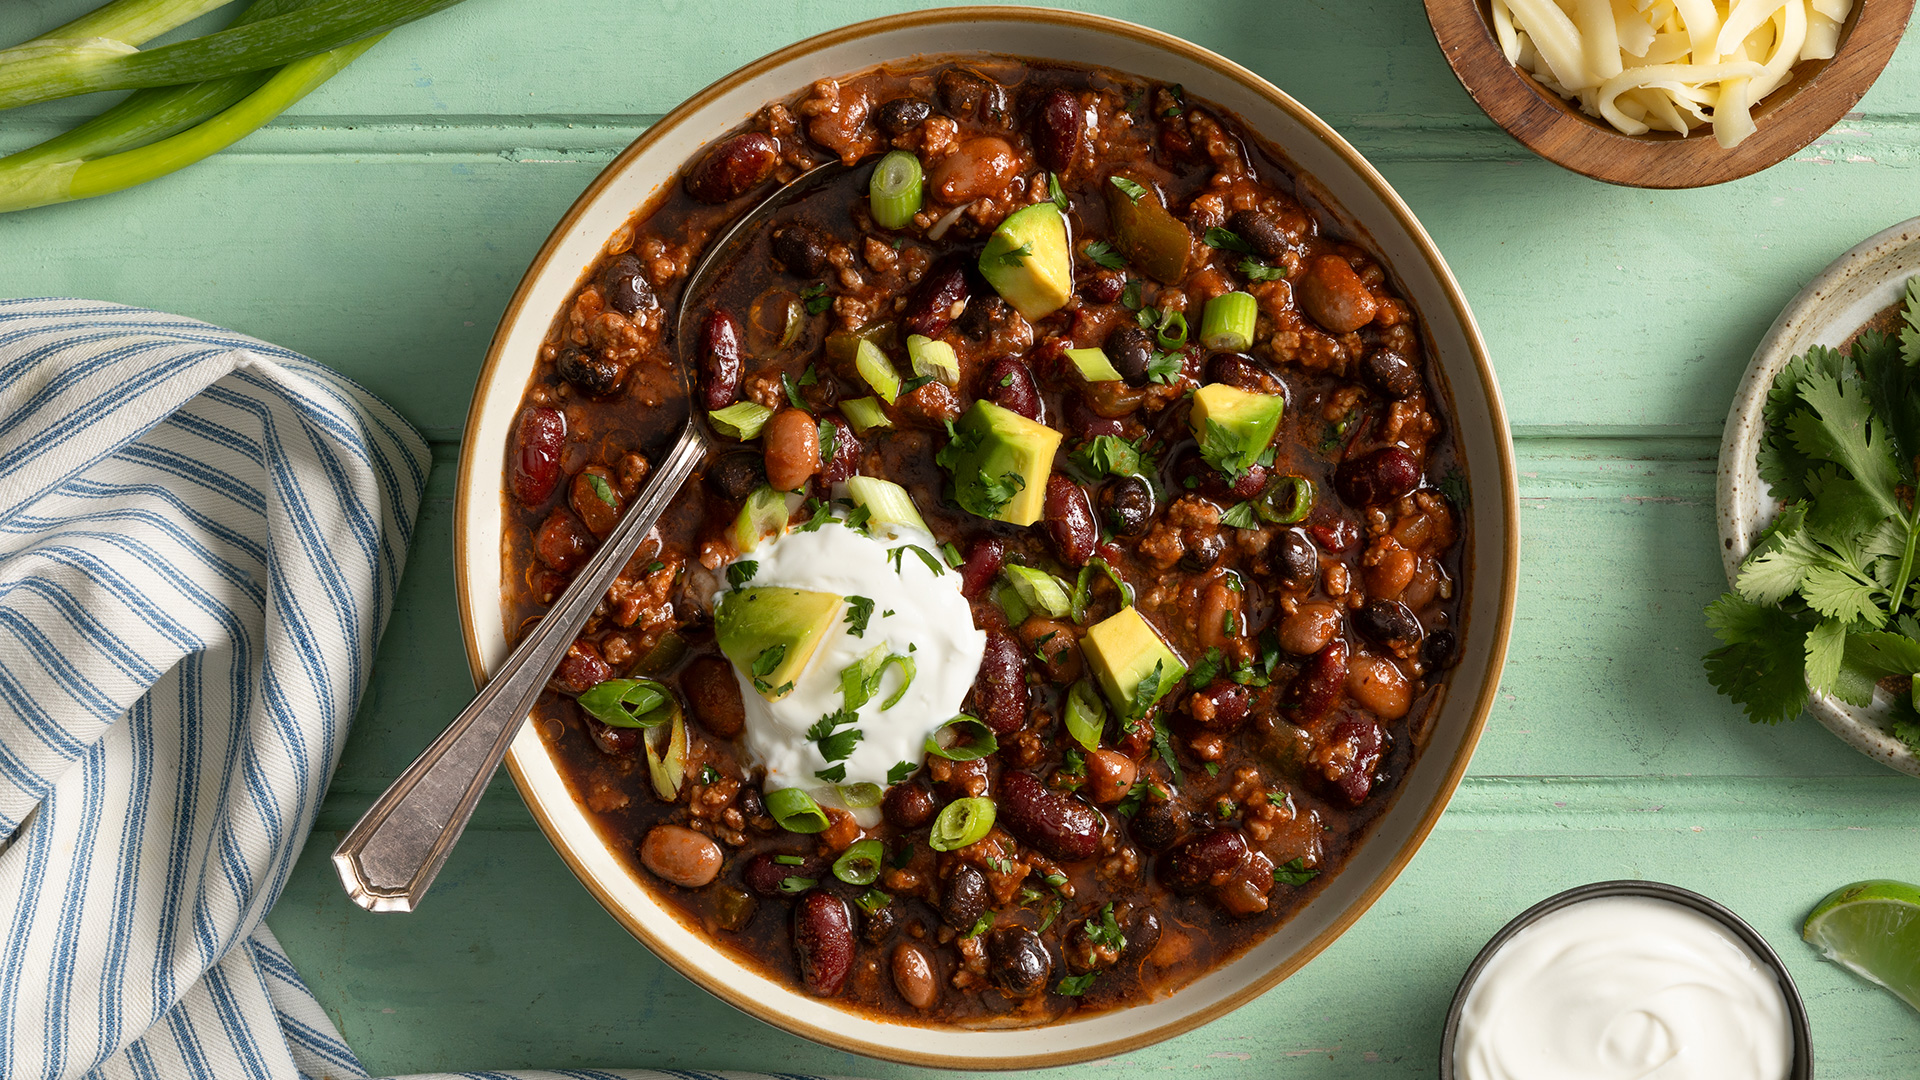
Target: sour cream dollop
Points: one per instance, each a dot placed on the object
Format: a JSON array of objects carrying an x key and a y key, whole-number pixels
[
  {"x": 1624, "y": 988},
  {"x": 916, "y": 612}
]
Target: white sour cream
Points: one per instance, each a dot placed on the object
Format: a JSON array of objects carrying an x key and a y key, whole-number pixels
[
  {"x": 1624, "y": 988},
  {"x": 916, "y": 612}
]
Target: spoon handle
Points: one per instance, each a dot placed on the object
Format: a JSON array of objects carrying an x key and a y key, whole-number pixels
[{"x": 391, "y": 856}]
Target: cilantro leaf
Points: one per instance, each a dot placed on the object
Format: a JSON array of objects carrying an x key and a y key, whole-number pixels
[
  {"x": 1240, "y": 516},
  {"x": 793, "y": 392},
  {"x": 1226, "y": 240},
  {"x": 1128, "y": 187},
  {"x": 1016, "y": 256},
  {"x": 816, "y": 298},
  {"x": 833, "y": 775},
  {"x": 1110, "y": 455},
  {"x": 829, "y": 435},
  {"x": 1294, "y": 872},
  {"x": 859, "y": 610},
  {"x": 1838, "y": 426},
  {"x": 1255, "y": 270},
  {"x": 1762, "y": 664},
  {"x": 601, "y": 489},
  {"x": 1826, "y": 646},
  {"x": 742, "y": 572},
  {"x": 1164, "y": 367},
  {"x": 1204, "y": 671},
  {"x": 1054, "y": 192},
  {"x": 1101, "y": 253},
  {"x": 901, "y": 771},
  {"x": 1075, "y": 985}
]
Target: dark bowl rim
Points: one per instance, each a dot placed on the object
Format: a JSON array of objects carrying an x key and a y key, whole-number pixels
[{"x": 1802, "y": 1068}]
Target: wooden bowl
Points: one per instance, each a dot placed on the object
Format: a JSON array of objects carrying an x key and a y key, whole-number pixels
[{"x": 1814, "y": 98}]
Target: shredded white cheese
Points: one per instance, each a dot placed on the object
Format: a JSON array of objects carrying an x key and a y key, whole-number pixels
[{"x": 1671, "y": 65}]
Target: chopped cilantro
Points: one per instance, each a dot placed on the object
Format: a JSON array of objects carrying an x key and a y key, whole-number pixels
[
  {"x": 1294, "y": 872},
  {"x": 859, "y": 610},
  {"x": 829, "y": 435},
  {"x": 816, "y": 298},
  {"x": 1240, "y": 516},
  {"x": 1075, "y": 985},
  {"x": 901, "y": 771},
  {"x": 833, "y": 775},
  {"x": 601, "y": 488},
  {"x": 1255, "y": 270},
  {"x": 1016, "y": 256},
  {"x": 742, "y": 572},
  {"x": 1128, "y": 187},
  {"x": 1055, "y": 193},
  {"x": 1226, "y": 240},
  {"x": 1101, "y": 253}
]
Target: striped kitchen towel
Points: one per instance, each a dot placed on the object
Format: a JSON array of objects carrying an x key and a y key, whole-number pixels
[{"x": 200, "y": 536}]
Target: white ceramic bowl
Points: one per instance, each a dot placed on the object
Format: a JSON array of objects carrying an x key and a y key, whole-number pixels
[
  {"x": 1372, "y": 210},
  {"x": 1852, "y": 289}
]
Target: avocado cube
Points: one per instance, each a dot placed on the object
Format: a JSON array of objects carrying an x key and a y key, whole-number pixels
[
  {"x": 1000, "y": 461},
  {"x": 1234, "y": 427},
  {"x": 1027, "y": 262},
  {"x": 1094, "y": 365},
  {"x": 770, "y": 633},
  {"x": 1125, "y": 651}
]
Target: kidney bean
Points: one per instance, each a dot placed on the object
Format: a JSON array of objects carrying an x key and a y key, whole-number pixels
[
  {"x": 1009, "y": 385},
  {"x": 1260, "y": 232},
  {"x": 1001, "y": 686},
  {"x": 907, "y": 806},
  {"x": 625, "y": 286},
  {"x": 720, "y": 359},
  {"x": 1159, "y": 825},
  {"x": 982, "y": 566},
  {"x": 1439, "y": 650},
  {"x": 1381, "y": 476},
  {"x": 847, "y": 451},
  {"x": 938, "y": 298},
  {"x": 733, "y": 168},
  {"x": 1020, "y": 964},
  {"x": 977, "y": 167},
  {"x": 1127, "y": 504},
  {"x": 594, "y": 509},
  {"x": 539, "y": 440},
  {"x": 1246, "y": 374},
  {"x": 1110, "y": 775},
  {"x": 965, "y": 898},
  {"x": 823, "y": 942},
  {"x": 613, "y": 741},
  {"x": 1318, "y": 688},
  {"x": 561, "y": 543},
  {"x": 592, "y": 375},
  {"x": 1130, "y": 350},
  {"x": 1070, "y": 520},
  {"x": 1084, "y": 422},
  {"x": 792, "y": 449},
  {"x": 1335, "y": 296},
  {"x": 582, "y": 668},
  {"x": 1294, "y": 560},
  {"x": 1336, "y": 536},
  {"x": 901, "y": 115},
  {"x": 735, "y": 475},
  {"x": 1391, "y": 373},
  {"x": 1222, "y": 706},
  {"x": 1309, "y": 628},
  {"x": 802, "y": 249},
  {"x": 1387, "y": 623},
  {"x": 1204, "y": 861},
  {"x": 1062, "y": 828},
  {"x": 1103, "y": 287},
  {"x": 1350, "y": 759},
  {"x": 764, "y": 874},
  {"x": 913, "y": 976},
  {"x": 677, "y": 854},
  {"x": 1056, "y": 129},
  {"x": 714, "y": 695}
]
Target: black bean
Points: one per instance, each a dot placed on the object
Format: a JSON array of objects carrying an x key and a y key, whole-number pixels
[
  {"x": 907, "y": 806},
  {"x": 625, "y": 286},
  {"x": 1260, "y": 231},
  {"x": 982, "y": 316},
  {"x": 735, "y": 475},
  {"x": 965, "y": 899},
  {"x": 1387, "y": 623},
  {"x": 1019, "y": 962},
  {"x": 878, "y": 924},
  {"x": 1294, "y": 560},
  {"x": 1204, "y": 548},
  {"x": 1387, "y": 371},
  {"x": 901, "y": 115},
  {"x": 1127, "y": 504},
  {"x": 1158, "y": 825},
  {"x": 596, "y": 376},
  {"x": 1440, "y": 650},
  {"x": 802, "y": 249},
  {"x": 1130, "y": 348}
]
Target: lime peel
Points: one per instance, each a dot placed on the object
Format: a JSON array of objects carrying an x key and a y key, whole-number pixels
[{"x": 1872, "y": 928}]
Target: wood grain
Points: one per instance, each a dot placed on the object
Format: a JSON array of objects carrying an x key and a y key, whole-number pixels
[{"x": 1816, "y": 95}]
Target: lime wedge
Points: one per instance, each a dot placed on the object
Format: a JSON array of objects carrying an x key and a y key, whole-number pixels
[{"x": 1872, "y": 928}]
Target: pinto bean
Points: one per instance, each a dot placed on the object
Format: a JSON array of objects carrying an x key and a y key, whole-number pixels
[
  {"x": 592, "y": 374},
  {"x": 1056, "y": 129},
  {"x": 1222, "y": 706},
  {"x": 1020, "y": 964},
  {"x": 938, "y": 298},
  {"x": 626, "y": 288},
  {"x": 1220, "y": 620},
  {"x": 1309, "y": 628},
  {"x": 965, "y": 898},
  {"x": 714, "y": 695},
  {"x": 539, "y": 441},
  {"x": 1377, "y": 685},
  {"x": 982, "y": 566},
  {"x": 1070, "y": 520},
  {"x": 677, "y": 854},
  {"x": 561, "y": 543},
  {"x": 901, "y": 115},
  {"x": 979, "y": 166},
  {"x": 1335, "y": 296},
  {"x": 913, "y": 976},
  {"x": 733, "y": 168},
  {"x": 1110, "y": 775},
  {"x": 823, "y": 942},
  {"x": 720, "y": 359},
  {"x": 1001, "y": 686},
  {"x": 792, "y": 449},
  {"x": 735, "y": 475},
  {"x": 847, "y": 451},
  {"x": 1204, "y": 861},
  {"x": 1379, "y": 477},
  {"x": 600, "y": 512},
  {"x": 1062, "y": 828},
  {"x": 907, "y": 806},
  {"x": 1009, "y": 385}
]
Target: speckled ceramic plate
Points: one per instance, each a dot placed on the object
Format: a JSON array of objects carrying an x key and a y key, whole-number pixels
[{"x": 1855, "y": 287}]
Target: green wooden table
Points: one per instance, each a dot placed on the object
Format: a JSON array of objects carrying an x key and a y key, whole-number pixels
[{"x": 381, "y": 226}]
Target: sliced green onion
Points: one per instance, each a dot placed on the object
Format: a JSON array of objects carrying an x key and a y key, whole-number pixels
[
  {"x": 1172, "y": 331},
  {"x": 1008, "y": 597},
  {"x": 1039, "y": 589},
  {"x": 905, "y": 664},
  {"x": 1227, "y": 325},
  {"x": 629, "y": 703},
  {"x": 790, "y": 860},
  {"x": 1286, "y": 500},
  {"x": 796, "y": 811},
  {"x": 935, "y": 358},
  {"x": 872, "y": 901},
  {"x": 1086, "y": 715},
  {"x": 887, "y": 502},
  {"x": 865, "y": 414},
  {"x": 860, "y": 796},
  {"x": 894, "y": 192},
  {"x": 842, "y": 345},
  {"x": 860, "y": 679},
  {"x": 873, "y": 366},
  {"x": 741, "y": 420},
  {"x": 860, "y": 864},
  {"x": 941, "y": 743},
  {"x": 763, "y": 516},
  {"x": 961, "y": 822},
  {"x": 1094, "y": 365},
  {"x": 794, "y": 886},
  {"x": 1083, "y": 587}
]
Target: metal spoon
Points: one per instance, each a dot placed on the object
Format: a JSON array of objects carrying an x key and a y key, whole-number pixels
[{"x": 393, "y": 853}]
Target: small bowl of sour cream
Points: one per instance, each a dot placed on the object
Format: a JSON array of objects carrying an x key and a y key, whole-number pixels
[{"x": 1627, "y": 979}]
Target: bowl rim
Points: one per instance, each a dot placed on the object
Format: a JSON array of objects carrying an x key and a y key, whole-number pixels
[
  {"x": 1802, "y": 1068},
  {"x": 1505, "y": 585},
  {"x": 1738, "y": 504},
  {"x": 1549, "y": 126}
]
